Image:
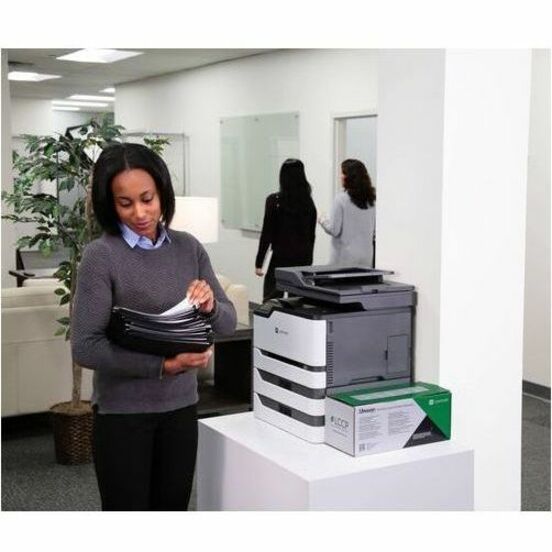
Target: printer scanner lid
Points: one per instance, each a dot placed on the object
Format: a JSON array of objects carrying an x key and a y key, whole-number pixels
[{"x": 336, "y": 284}]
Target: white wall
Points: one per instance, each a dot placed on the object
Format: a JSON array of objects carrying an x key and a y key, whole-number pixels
[
  {"x": 451, "y": 219},
  {"x": 483, "y": 253},
  {"x": 318, "y": 84},
  {"x": 35, "y": 116},
  {"x": 31, "y": 116},
  {"x": 536, "y": 354},
  {"x": 64, "y": 119},
  {"x": 410, "y": 153}
]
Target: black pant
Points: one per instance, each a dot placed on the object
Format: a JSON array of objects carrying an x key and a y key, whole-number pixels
[{"x": 145, "y": 461}]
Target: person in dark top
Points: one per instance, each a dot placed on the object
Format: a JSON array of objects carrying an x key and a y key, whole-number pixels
[{"x": 289, "y": 226}]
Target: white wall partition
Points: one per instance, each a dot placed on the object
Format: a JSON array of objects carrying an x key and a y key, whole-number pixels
[
  {"x": 318, "y": 84},
  {"x": 483, "y": 252},
  {"x": 410, "y": 153},
  {"x": 452, "y": 141}
]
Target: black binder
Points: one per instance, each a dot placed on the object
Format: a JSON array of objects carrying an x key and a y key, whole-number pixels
[{"x": 160, "y": 334}]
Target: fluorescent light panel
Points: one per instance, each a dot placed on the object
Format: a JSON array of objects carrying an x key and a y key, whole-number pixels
[
  {"x": 65, "y": 108},
  {"x": 109, "y": 90},
  {"x": 30, "y": 77},
  {"x": 79, "y": 104},
  {"x": 98, "y": 55},
  {"x": 87, "y": 97}
]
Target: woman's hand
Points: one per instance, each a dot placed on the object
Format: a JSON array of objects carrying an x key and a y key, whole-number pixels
[
  {"x": 259, "y": 272},
  {"x": 200, "y": 293},
  {"x": 185, "y": 361}
]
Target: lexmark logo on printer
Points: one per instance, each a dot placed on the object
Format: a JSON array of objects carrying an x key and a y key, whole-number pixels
[{"x": 280, "y": 331}]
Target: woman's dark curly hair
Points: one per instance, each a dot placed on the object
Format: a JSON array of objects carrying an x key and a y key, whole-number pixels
[
  {"x": 358, "y": 184},
  {"x": 116, "y": 158}
]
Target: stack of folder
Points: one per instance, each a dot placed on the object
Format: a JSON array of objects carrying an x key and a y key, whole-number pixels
[{"x": 168, "y": 334}]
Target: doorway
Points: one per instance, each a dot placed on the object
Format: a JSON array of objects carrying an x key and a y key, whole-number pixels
[{"x": 355, "y": 137}]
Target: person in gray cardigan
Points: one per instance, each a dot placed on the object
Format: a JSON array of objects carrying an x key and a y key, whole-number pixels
[
  {"x": 145, "y": 421},
  {"x": 353, "y": 218}
]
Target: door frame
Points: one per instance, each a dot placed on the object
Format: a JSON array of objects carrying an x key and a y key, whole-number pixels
[{"x": 338, "y": 123}]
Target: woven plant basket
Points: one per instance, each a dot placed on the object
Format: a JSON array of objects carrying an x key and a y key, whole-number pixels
[{"x": 72, "y": 432}]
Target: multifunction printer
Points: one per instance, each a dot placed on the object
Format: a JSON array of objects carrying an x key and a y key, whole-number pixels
[{"x": 338, "y": 329}]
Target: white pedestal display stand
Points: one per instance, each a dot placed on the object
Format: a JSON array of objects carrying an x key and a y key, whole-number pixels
[{"x": 247, "y": 464}]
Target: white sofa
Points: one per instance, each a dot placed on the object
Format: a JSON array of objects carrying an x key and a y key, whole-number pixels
[
  {"x": 238, "y": 294},
  {"x": 36, "y": 364}
]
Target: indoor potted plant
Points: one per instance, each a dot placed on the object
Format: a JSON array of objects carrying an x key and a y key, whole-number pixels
[{"x": 67, "y": 161}]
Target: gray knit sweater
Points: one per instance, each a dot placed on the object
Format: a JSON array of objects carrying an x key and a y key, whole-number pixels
[
  {"x": 112, "y": 273},
  {"x": 352, "y": 230}
]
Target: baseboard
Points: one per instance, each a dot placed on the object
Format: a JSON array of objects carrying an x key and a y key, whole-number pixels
[{"x": 537, "y": 390}]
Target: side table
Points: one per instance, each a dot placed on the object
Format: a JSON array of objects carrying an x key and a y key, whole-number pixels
[
  {"x": 247, "y": 464},
  {"x": 233, "y": 363}
]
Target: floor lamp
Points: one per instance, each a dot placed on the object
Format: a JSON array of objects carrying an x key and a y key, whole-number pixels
[{"x": 198, "y": 216}]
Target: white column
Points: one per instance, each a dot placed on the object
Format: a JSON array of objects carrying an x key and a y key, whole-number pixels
[
  {"x": 408, "y": 204},
  {"x": 8, "y": 228},
  {"x": 483, "y": 257},
  {"x": 452, "y": 168}
]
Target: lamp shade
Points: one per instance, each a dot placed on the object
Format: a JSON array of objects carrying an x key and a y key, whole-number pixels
[{"x": 198, "y": 216}]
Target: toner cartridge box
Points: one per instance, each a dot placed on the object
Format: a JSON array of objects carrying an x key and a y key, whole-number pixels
[{"x": 371, "y": 420}]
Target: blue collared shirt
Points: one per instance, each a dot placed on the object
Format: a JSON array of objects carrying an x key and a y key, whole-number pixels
[{"x": 133, "y": 239}]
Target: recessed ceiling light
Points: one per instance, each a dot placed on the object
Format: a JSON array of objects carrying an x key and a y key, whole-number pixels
[
  {"x": 79, "y": 104},
  {"x": 110, "y": 90},
  {"x": 92, "y": 98},
  {"x": 65, "y": 108},
  {"x": 29, "y": 76},
  {"x": 98, "y": 55}
]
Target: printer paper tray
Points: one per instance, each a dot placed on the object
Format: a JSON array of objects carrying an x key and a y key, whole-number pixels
[
  {"x": 312, "y": 407},
  {"x": 314, "y": 380}
]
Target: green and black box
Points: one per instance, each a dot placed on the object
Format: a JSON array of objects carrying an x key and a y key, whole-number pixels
[{"x": 371, "y": 420}]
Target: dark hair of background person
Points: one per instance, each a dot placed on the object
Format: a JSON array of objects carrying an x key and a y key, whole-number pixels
[
  {"x": 358, "y": 184},
  {"x": 295, "y": 191},
  {"x": 116, "y": 158}
]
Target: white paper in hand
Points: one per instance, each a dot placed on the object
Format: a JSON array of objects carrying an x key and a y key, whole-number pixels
[{"x": 183, "y": 306}]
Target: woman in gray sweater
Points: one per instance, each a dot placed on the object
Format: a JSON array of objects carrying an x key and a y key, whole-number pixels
[
  {"x": 145, "y": 422},
  {"x": 353, "y": 218}
]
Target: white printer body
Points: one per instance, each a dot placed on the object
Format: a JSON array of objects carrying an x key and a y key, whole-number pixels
[{"x": 344, "y": 328}]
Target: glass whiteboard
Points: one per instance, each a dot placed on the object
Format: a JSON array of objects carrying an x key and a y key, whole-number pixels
[{"x": 253, "y": 149}]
